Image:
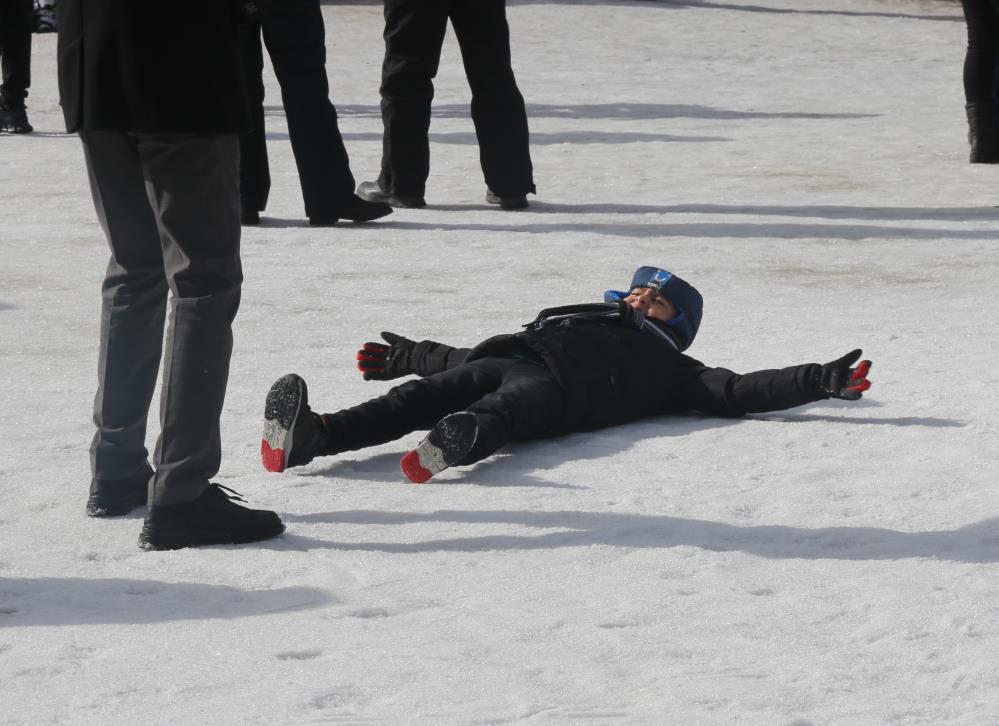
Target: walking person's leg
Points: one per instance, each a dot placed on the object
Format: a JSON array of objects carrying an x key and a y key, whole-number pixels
[{"x": 498, "y": 109}]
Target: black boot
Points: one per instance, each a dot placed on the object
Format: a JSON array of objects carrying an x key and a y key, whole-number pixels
[
  {"x": 14, "y": 118},
  {"x": 212, "y": 519},
  {"x": 115, "y": 497},
  {"x": 983, "y": 133},
  {"x": 294, "y": 434},
  {"x": 448, "y": 442}
]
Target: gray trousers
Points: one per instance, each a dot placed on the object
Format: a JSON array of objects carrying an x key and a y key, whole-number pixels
[{"x": 169, "y": 206}]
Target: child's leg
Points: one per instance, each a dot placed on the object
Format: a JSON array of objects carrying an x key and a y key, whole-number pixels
[
  {"x": 414, "y": 405},
  {"x": 528, "y": 404},
  {"x": 294, "y": 434}
]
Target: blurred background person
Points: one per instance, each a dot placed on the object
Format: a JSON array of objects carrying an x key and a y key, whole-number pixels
[
  {"x": 981, "y": 70},
  {"x": 295, "y": 38},
  {"x": 17, "y": 20},
  {"x": 414, "y": 34}
]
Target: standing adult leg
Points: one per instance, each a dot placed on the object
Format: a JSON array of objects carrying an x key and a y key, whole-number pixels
[
  {"x": 980, "y": 67},
  {"x": 414, "y": 34},
  {"x": 193, "y": 186},
  {"x": 254, "y": 169},
  {"x": 133, "y": 309},
  {"x": 296, "y": 42},
  {"x": 498, "y": 109},
  {"x": 16, "y": 24}
]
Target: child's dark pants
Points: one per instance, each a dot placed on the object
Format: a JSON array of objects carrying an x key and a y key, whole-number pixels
[{"x": 512, "y": 400}]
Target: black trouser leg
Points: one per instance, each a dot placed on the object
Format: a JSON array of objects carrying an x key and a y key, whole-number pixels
[
  {"x": 296, "y": 42},
  {"x": 981, "y": 61},
  {"x": 498, "y": 110},
  {"x": 414, "y": 34},
  {"x": 254, "y": 169},
  {"x": 17, "y": 21},
  {"x": 415, "y": 405},
  {"x": 511, "y": 399},
  {"x": 529, "y": 404},
  {"x": 133, "y": 309},
  {"x": 175, "y": 197},
  {"x": 193, "y": 187}
]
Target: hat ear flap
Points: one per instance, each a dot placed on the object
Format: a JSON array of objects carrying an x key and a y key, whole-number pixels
[{"x": 611, "y": 296}]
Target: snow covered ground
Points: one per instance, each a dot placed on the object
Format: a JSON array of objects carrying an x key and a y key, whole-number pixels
[{"x": 802, "y": 162}]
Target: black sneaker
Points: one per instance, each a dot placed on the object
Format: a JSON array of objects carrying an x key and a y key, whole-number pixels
[
  {"x": 115, "y": 497},
  {"x": 517, "y": 201},
  {"x": 293, "y": 433},
  {"x": 371, "y": 192},
  {"x": 447, "y": 443},
  {"x": 214, "y": 518},
  {"x": 14, "y": 120},
  {"x": 353, "y": 209}
]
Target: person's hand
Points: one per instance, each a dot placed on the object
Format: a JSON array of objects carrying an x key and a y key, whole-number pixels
[
  {"x": 380, "y": 362},
  {"x": 840, "y": 380}
]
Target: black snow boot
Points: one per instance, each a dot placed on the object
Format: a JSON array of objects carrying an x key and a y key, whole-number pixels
[
  {"x": 294, "y": 434},
  {"x": 983, "y": 133},
  {"x": 214, "y": 518},
  {"x": 448, "y": 442}
]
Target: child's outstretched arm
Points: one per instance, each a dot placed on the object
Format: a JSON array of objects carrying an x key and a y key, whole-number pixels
[
  {"x": 403, "y": 357},
  {"x": 723, "y": 393}
]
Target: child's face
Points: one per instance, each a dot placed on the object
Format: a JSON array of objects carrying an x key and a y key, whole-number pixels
[{"x": 651, "y": 303}]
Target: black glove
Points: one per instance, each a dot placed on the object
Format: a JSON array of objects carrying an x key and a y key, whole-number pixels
[
  {"x": 839, "y": 380},
  {"x": 380, "y": 362}
]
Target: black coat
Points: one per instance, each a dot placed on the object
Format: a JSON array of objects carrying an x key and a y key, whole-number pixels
[
  {"x": 613, "y": 374},
  {"x": 155, "y": 67}
]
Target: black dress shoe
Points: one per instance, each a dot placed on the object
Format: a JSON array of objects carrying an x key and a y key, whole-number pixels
[
  {"x": 517, "y": 201},
  {"x": 14, "y": 119},
  {"x": 354, "y": 209},
  {"x": 212, "y": 519},
  {"x": 249, "y": 217},
  {"x": 371, "y": 192},
  {"x": 115, "y": 497}
]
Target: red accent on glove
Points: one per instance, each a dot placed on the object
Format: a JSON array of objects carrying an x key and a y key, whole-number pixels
[
  {"x": 371, "y": 357},
  {"x": 858, "y": 379}
]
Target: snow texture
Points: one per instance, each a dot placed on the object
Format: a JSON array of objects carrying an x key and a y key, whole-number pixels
[{"x": 804, "y": 163}]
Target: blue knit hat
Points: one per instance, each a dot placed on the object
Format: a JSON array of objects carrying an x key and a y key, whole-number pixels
[{"x": 686, "y": 299}]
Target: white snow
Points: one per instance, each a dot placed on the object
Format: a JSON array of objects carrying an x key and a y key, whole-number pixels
[{"x": 804, "y": 163}]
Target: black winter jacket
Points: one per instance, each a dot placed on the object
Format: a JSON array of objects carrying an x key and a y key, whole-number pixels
[
  {"x": 155, "y": 67},
  {"x": 613, "y": 374}
]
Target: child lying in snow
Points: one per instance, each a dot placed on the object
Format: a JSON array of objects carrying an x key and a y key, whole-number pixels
[{"x": 574, "y": 368}]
